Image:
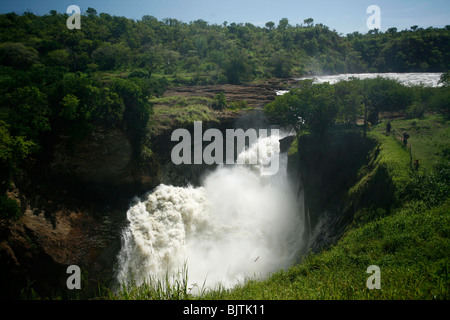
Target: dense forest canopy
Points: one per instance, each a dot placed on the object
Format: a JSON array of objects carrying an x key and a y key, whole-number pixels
[
  {"x": 55, "y": 81},
  {"x": 216, "y": 53}
]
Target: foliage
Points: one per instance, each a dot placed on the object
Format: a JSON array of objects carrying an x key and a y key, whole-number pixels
[
  {"x": 12, "y": 152},
  {"x": 350, "y": 97},
  {"x": 9, "y": 208},
  {"x": 28, "y": 112},
  {"x": 430, "y": 187},
  {"x": 445, "y": 79},
  {"x": 317, "y": 106},
  {"x": 383, "y": 94},
  {"x": 234, "y": 52},
  {"x": 220, "y": 101},
  {"x": 18, "y": 55}
]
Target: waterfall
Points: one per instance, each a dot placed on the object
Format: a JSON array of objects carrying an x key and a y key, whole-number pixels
[{"x": 238, "y": 224}]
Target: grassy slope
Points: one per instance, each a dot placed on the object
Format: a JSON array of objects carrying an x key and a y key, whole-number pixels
[{"x": 179, "y": 111}]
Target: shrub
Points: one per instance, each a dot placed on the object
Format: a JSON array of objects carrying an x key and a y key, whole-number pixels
[
  {"x": 238, "y": 105},
  {"x": 9, "y": 208},
  {"x": 431, "y": 187},
  {"x": 220, "y": 101},
  {"x": 416, "y": 110}
]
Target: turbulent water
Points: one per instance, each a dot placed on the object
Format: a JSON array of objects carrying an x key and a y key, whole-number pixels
[
  {"x": 429, "y": 79},
  {"x": 239, "y": 224}
]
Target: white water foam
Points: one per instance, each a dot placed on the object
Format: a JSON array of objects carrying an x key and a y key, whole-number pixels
[
  {"x": 413, "y": 78},
  {"x": 428, "y": 79},
  {"x": 239, "y": 224}
]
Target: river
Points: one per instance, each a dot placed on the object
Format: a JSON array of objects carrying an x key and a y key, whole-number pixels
[{"x": 430, "y": 79}]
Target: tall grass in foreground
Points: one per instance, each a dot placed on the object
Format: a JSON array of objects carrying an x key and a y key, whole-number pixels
[{"x": 170, "y": 287}]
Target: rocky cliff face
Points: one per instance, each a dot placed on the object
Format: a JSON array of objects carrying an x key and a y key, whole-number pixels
[
  {"x": 74, "y": 205},
  {"x": 327, "y": 167},
  {"x": 102, "y": 163},
  {"x": 102, "y": 158}
]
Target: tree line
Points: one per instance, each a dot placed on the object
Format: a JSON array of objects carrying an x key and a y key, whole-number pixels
[
  {"x": 317, "y": 107},
  {"x": 199, "y": 53}
]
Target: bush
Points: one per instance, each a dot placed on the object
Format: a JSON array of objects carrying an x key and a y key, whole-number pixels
[
  {"x": 17, "y": 55},
  {"x": 416, "y": 110},
  {"x": 238, "y": 105},
  {"x": 9, "y": 208},
  {"x": 430, "y": 187},
  {"x": 220, "y": 101}
]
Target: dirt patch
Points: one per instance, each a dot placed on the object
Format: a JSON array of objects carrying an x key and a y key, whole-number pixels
[{"x": 256, "y": 94}]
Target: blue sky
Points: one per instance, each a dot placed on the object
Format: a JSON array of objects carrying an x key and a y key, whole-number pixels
[{"x": 344, "y": 16}]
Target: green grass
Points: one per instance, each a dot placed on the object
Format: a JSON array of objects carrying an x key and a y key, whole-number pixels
[
  {"x": 170, "y": 112},
  {"x": 171, "y": 287},
  {"x": 429, "y": 137},
  {"x": 411, "y": 248}
]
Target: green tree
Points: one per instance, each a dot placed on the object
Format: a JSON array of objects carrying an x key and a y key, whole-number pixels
[
  {"x": 135, "y": 94},
  {"x": 445, "y": 79},
  {"x": 59, "y": 57},
  {"x": 111, "y": 110},
  {"x": 270, "y": 25},
  {"x": 237, "y": 67},
  {"x": 12, "y": 151},
  {"x": 312, "y": 106},
  {"x": 309, "y": 22},
  {"x": 112, "y": 56},
  {"x": 220, "y": 101},
  {"x": 28, "y": 112},
  {"x": 91, "y": 12},
  {"x": 69, "y": 107},
  {"x": 18, "y": 55},
  {"x": 349, "y": 96},
  {"x": 281, "y": 64},
  {"x": 283, "y": 24},
  {"x": 382, "y": 94}
]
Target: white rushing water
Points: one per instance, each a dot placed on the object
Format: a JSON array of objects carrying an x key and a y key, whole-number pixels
[
  {"x": 239, "y": 224},
  {"x": 429, "y": 79}
]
